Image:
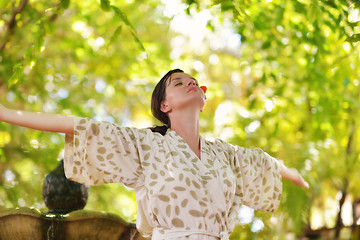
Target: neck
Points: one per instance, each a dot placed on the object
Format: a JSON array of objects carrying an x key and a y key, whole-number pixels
[{"x": 187, "y": 126}]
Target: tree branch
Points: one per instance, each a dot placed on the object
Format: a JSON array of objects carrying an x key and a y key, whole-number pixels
[{"x": 12, "y": 23}]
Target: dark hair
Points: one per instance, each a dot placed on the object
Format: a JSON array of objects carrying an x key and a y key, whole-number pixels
[{"x": 157, "y": 97}]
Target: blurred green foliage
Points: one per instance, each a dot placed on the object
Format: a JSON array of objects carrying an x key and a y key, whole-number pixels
[{"x": 281, "y": 75}]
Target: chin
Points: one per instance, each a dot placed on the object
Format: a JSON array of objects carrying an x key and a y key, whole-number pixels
[{"x": 195, "y": 101}]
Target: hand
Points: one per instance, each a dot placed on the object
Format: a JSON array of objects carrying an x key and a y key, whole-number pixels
[
  {"x": 294, "y": 176},
  {"x": 298, "y": 179}
]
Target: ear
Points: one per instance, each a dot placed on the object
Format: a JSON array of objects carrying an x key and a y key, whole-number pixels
[{"x": 165, "y": 108}]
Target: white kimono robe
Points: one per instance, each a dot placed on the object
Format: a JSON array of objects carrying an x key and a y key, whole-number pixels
[{"x": 179, "y": 196}]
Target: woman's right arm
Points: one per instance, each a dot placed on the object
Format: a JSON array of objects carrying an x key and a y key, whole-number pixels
[{"x": 38, "y": 121}]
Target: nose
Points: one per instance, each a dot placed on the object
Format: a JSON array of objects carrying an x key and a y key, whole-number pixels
[{"x": 192, "y": 82}]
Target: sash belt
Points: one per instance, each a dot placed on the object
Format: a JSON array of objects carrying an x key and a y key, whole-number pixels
[{"x": 160, "y": 234}]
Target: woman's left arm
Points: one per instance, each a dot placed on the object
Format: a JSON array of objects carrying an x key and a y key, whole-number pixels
[{"x": 293, "y": 175}]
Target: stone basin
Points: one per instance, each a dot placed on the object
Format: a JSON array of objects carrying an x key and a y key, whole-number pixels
[{"x": 31, "y": 224}]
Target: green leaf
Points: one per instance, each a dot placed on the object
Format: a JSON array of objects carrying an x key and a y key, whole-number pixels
[
  {"x": 18, "y": 72},
  {"x": 353, "y": 38},
  {"x": 314, "y": 12},
  {"x": 239, "y": 10},
  {"x": 65, "y": 4},
  {"x": 138, "y": 40},
  {"x": 39, "y": 43},
  {"x": 115, "y": 35},
  {"x": 123, "y": 17},
  {"x": 105, "y": 5},
  {"x": 28, "y": 54},
  {"x": 266, "y": 45}
]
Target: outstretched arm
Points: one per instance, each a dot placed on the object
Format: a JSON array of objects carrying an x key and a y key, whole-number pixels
[
  {"x": 293, "y": 175},
  {"x": 39, "y": 121}
]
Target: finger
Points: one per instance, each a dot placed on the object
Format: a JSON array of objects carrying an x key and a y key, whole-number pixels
[{"x": 303, "y": 183}]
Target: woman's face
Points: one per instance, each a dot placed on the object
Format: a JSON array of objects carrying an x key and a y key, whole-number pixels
[{"x": 182, "y": 91}]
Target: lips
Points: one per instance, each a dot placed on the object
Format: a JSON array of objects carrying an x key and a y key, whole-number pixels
[{"x": 192, "y": 89}]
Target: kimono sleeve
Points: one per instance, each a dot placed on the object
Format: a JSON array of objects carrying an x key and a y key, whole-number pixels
[
  {"x": 101, "y": 152},
  {"x": 258, "y": 178}
]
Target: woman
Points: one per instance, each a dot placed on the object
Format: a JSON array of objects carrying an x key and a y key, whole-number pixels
[{"x": 186, "y": 187}]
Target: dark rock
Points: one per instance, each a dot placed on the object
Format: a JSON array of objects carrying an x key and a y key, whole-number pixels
[{"x": 62, "y": 195}]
